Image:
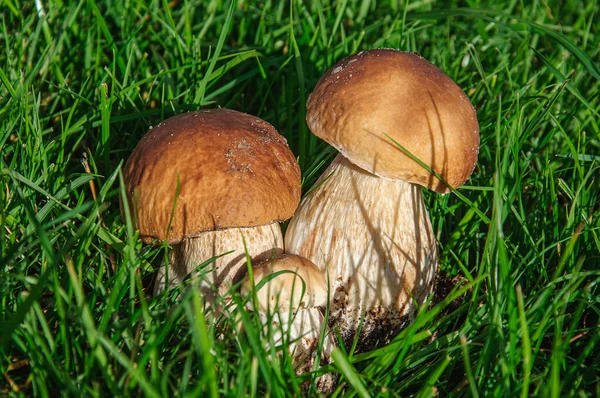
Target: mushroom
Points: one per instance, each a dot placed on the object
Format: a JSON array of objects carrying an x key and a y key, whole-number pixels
[
  {"x": 207, "y": 181},
  {"x": 291, "y": 299},
  {"x": 366, "y": 221}
]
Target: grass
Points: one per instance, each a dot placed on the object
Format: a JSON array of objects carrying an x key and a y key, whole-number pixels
[{"x": 81, "y": 82}]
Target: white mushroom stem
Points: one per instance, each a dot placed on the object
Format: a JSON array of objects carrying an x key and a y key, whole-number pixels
[
  {"x": 300, "y": 329},
  {"x": 374, "y": 237},
  {"x": 262, "y": 242}
]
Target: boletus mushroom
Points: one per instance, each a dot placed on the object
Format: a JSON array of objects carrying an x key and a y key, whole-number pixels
[
  {"x": 292, "y": 299},
  {"x": 366, "y": 221},
  {"x": 204, "y": 181}
]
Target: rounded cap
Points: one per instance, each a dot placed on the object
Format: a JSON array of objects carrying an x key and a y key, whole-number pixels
[
  {"x": 279, "y": 291},
  {"x": 376, "y": 94},
  {"x": 230, "y": 169}
]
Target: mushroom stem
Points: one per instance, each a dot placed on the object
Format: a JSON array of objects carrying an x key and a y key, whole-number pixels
[
  {"x": 262, "y": 243},
  {"x": 301, "y": 328},
  {"x": 375, "y": 238}
]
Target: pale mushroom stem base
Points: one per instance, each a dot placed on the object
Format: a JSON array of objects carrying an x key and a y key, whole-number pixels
[
  {"x": 262, "y": 243},
  {"x": 302, "y": 332},
  {"x": 374, "y": 238},
  {"x": 301, "y": 329}
]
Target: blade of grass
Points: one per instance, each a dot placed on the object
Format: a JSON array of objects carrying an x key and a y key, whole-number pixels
[
  {"x": 348, "y": 371},
  {"x": 199, "y": 98}
]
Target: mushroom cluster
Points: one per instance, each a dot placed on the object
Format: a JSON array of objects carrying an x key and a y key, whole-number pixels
[
  {"x": 389, "y": 113},
  {"x": 220, "y": 181}
]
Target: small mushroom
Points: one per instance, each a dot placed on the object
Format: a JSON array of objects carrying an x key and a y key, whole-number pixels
[
  {"x": 206, "y": 181},
  {"x": 366, "y": 221},
  {"x": 292, "y": 300}
]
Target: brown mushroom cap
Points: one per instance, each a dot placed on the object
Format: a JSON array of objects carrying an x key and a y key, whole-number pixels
[
  {"x": 282, "y": 289},
  {"x": 383, "y": 92},
  {"x": 233, "y": 170}
]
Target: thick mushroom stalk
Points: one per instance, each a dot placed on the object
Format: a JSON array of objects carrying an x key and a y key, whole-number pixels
[
  {"x": 262, "y": 242},
  {"x": 375, "y": 238},
  {"x": 292, "y": 301}
]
